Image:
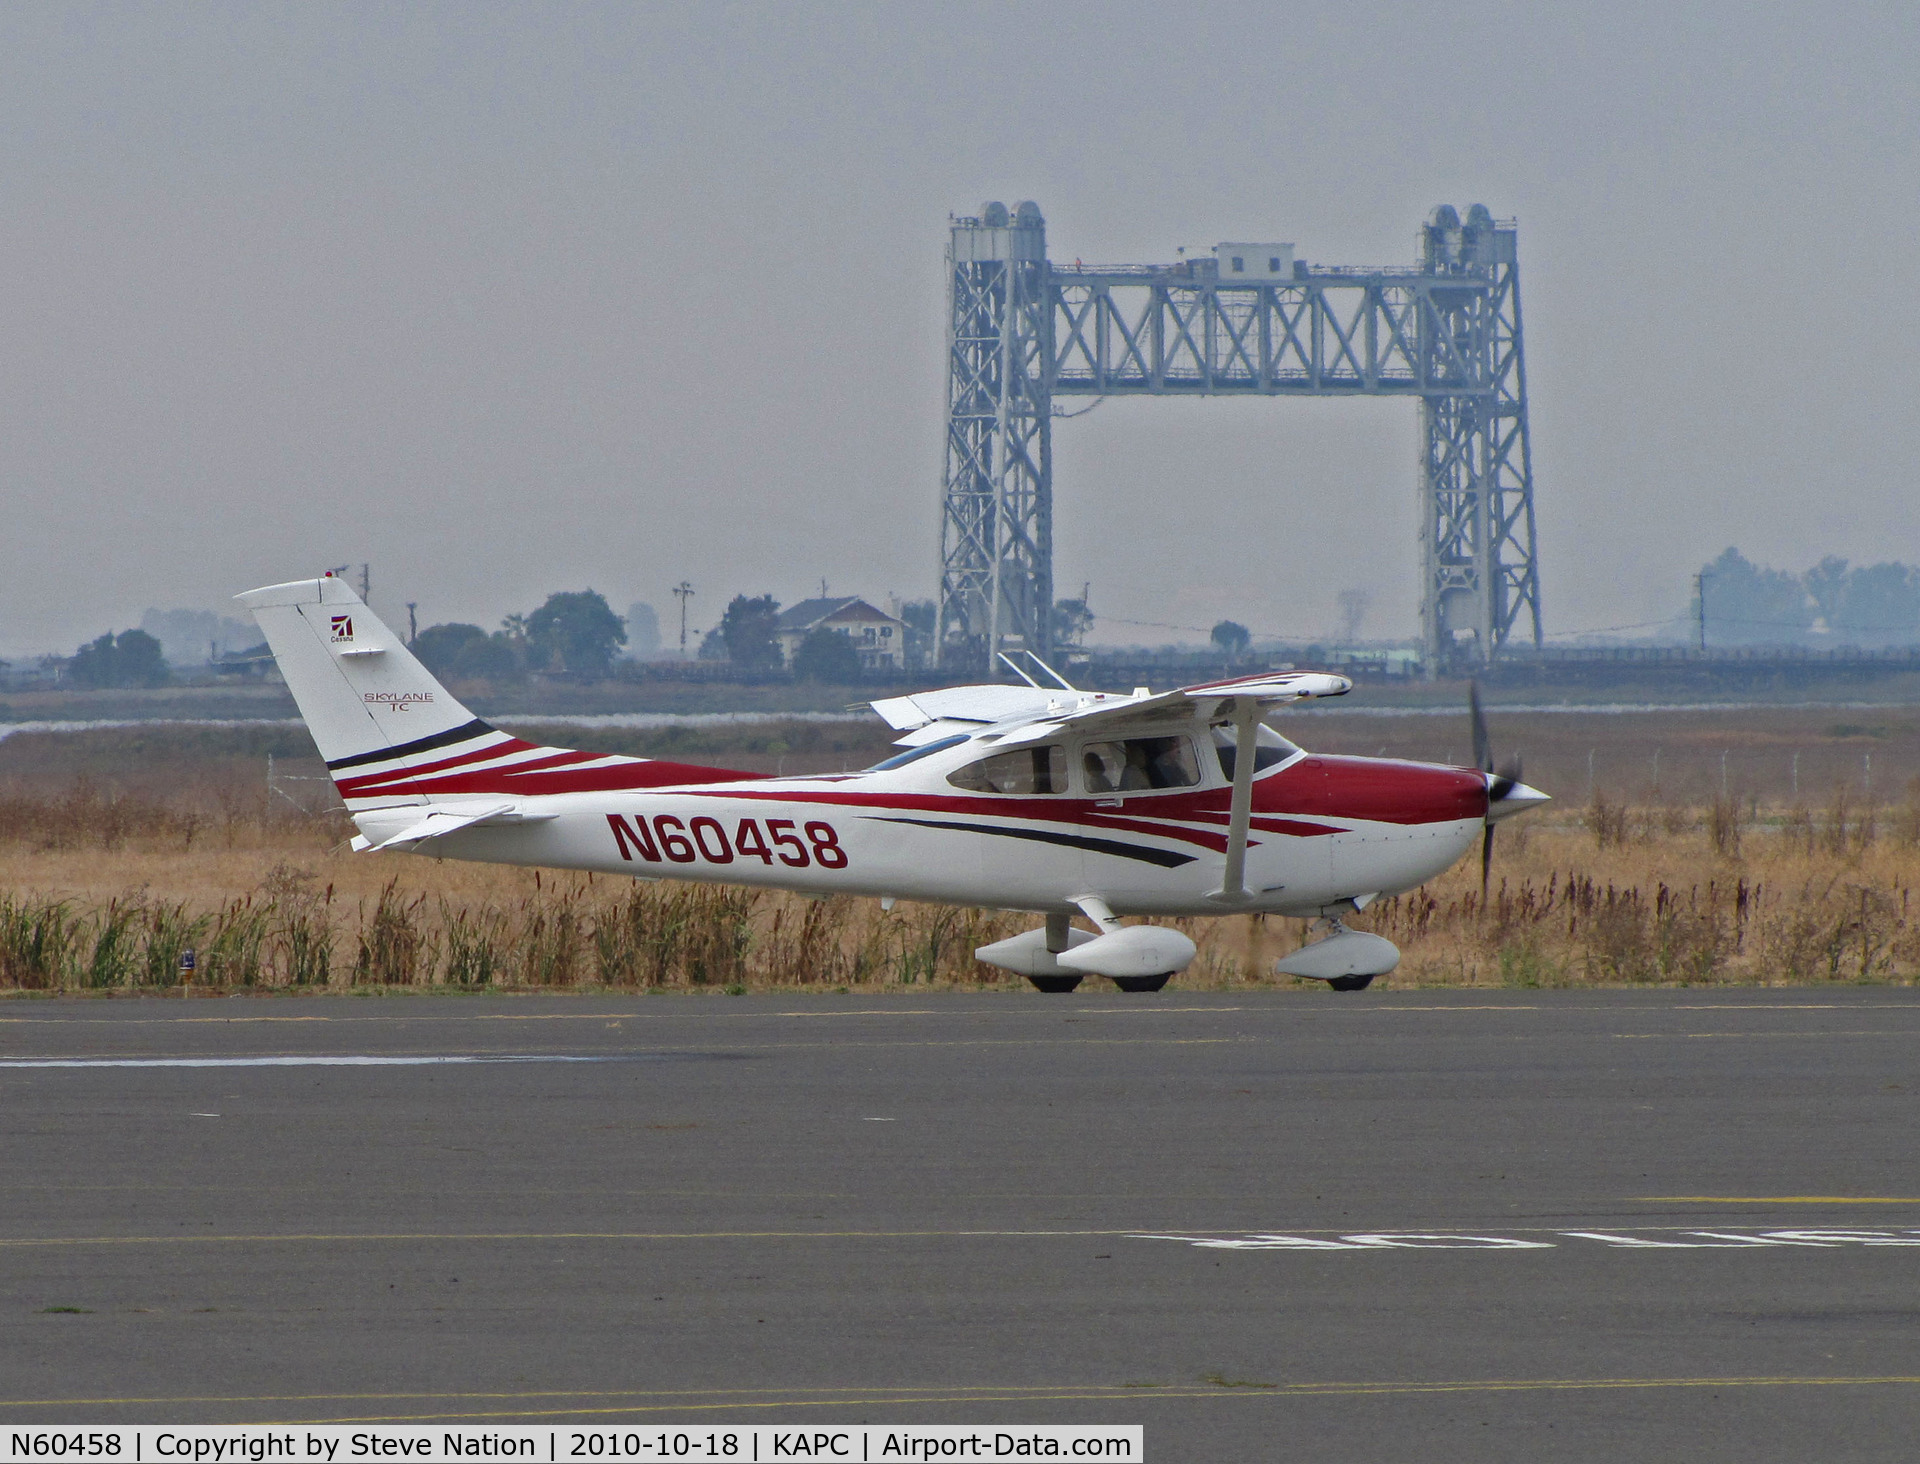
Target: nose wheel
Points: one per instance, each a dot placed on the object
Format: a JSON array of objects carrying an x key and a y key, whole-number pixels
[
  {"x": 1054, "y": 985},
  {"x": 1349, "y": 983}
]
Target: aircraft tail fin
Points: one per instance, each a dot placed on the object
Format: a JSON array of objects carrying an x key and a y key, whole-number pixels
[{"x": 392, "y": 734}]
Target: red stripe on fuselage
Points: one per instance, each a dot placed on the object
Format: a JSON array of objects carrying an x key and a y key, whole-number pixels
[
  {"x": 557, "y": 775},
  {"x": 1289, "y": 802}
]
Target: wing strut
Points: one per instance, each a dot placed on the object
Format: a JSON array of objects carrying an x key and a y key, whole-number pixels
[
  {"x": 1246, "y": 744},
  {"x": 1022, "y": 672}
]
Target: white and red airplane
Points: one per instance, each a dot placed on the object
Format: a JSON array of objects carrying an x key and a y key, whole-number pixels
[{"x": 1053, "y": 800}]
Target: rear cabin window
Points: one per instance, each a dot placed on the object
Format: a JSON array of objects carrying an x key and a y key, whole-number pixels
[
  {"x": 1139, "y": 764},
  {"x": 1023, "y": 770}
]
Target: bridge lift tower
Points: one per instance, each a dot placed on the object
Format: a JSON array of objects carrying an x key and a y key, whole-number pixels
[{"x": 1250, "y": 321}]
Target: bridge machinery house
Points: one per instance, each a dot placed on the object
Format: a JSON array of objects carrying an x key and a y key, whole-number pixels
[{"x": 879, "y": 638}]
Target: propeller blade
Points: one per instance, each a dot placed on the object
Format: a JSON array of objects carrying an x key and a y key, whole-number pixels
[
  {"x": 1482, "y": 743},
  {"x": 1486, "y": 863},
  {"x": 1500, "y": 784}
]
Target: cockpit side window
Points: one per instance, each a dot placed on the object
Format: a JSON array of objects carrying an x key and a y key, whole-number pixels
[
  {"x": 1269, "y": 748},
  {"x": 1022, "y": 770},
  {"x": 1139, "y": 764}
]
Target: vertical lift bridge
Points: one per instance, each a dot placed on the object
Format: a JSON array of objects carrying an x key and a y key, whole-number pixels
[{"x": 1250, "y": 321}]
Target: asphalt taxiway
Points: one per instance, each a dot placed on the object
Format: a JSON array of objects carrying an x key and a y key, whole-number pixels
[{"x": 1527, "y": 1225}]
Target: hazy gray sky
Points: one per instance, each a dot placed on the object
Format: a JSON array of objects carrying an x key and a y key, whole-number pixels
[{"x": 509, "y": 299}]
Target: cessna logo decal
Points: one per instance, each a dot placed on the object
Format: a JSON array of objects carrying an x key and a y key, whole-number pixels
[{"x": 342, "y": 627}]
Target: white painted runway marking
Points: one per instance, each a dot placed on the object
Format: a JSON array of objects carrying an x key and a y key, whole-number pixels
[{"x": 1635, "y": 1240}]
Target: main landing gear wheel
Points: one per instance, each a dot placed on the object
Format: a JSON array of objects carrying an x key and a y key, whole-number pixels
[
  {"x": 1143, "y": 983},
  {"x": 1056, "y": 985},
  {"x": 1349, "y": 983}
]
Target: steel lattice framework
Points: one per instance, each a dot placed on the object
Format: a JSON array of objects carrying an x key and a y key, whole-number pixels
[
  {"x": 996, "y": 545},
  {"x": 1445, "y": 330}
]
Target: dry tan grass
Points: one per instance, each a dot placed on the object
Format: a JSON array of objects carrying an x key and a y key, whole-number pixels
[
  {"x": 104, "y": 881},
  {"x": 1620, "y": 895}
]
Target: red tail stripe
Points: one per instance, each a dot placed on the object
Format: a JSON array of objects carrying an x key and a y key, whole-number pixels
[
  {"x": 631, "y": 777},
  {"x": 555, "y": 759},
  {"x": 491, "y": 750}
]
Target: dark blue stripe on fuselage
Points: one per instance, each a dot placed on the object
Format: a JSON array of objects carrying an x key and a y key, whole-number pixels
[{"x": 1165, "y": 858}]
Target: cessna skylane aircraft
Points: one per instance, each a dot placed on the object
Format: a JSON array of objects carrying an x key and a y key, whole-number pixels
[{"x": 1049, "y": 799}]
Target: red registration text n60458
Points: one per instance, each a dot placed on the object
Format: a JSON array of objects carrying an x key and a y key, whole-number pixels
[{"x": 707, "y": 840}]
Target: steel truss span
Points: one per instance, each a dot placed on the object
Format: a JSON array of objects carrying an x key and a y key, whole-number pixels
[{"x": 1446, "y": 331}]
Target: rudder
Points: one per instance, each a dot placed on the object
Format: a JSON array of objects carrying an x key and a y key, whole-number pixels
[
  {"x": 391, "y": 734},
  {"x": 358, "y": 687}
]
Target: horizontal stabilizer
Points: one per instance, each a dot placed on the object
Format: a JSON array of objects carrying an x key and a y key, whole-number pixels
[{"x": 443, "y": 821}]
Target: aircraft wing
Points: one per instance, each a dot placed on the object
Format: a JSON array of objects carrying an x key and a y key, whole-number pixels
[
  {"x": 926, "y": 715},
  {"x": 968, "y": 704},
  {"x": 1211, "y": 699}
]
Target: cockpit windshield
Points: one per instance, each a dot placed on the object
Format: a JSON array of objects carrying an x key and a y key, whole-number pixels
[
  {"x": 1269, "y": 748},
  {"x": 914, "y": 754}
]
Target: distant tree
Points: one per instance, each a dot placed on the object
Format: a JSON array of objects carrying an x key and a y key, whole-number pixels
[
  {"x": 713, "y": 646},
  {"x": 827, "y": 656},
  {"x": 1232, "y": 638},
  {"x": 1749, "y": 605},
  {"x": 643, "y": 629},
  {"x": 94, "y": 664},
  {"x": 193, "y": 637},
  {"x": 457, "y": 652},
  {"x": 577, "y": 631},
  {"x": 439, "y": 647},
  {"x": 1071, "y": 622},
  {"x": 132, "y": 658},
  {"x": 748, "y": 629},
  {"x": 1827, "y": 583},
  {"x": 1879, "y": 605},
  {"x": 921, "y": 617},
  {"x": 492, "y": 658}
]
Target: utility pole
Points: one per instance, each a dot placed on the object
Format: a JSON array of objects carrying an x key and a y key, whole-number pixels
[
  {"x": 1700, "y": 606},
  {"x": 683, "y": 592},
  {"x": 413, "y": 623},
  {"x": 366, "y": 582}
]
